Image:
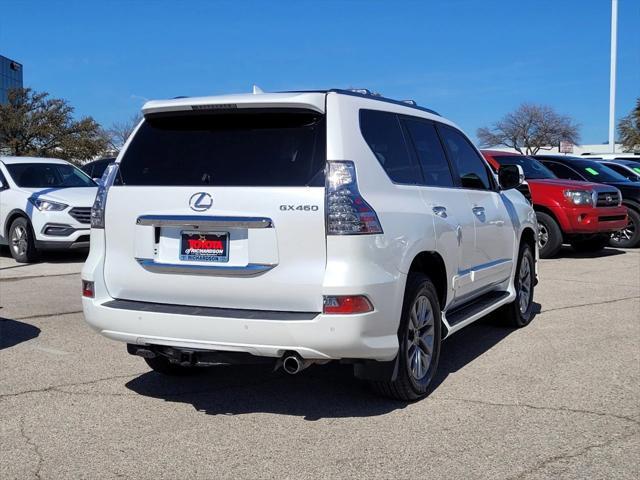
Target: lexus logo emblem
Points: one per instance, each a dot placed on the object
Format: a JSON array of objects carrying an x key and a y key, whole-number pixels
[{"x": 200, "y": 201}]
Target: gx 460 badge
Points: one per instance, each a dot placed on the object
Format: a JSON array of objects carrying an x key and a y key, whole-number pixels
[{"x": 302, "y": 208}]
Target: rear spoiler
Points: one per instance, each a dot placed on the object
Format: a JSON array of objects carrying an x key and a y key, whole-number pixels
[{"x": 234, "y": 103}]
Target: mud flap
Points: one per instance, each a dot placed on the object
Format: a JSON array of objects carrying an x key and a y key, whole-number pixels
[{"x": 376, "y": 371}]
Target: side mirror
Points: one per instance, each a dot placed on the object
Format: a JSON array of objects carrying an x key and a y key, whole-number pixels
[{"x": 510, "y": 176}]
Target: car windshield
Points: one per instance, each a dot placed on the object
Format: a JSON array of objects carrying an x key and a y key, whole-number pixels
[
  {"x": 532, "y": 168},
  {"x": 597, "y": 172},
  {"x": 48, "y": 175},
  {"x": 635, "y": 166}
]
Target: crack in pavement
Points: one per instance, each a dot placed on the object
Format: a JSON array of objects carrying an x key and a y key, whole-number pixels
[
  {"x": 571, "y": 280},
  {"x": 53, "y": 388},
  {"x": 590, "y": 304},
  {"x": 44, "y": 315},
  {"x": 540, "y": 407},
  {"x": 35, "y": 448},
  {"x": 567, "y": 456},
  {"x": 31, "y": 277}
]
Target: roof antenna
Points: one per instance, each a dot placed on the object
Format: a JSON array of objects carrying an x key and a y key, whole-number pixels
[{"x": 257, "y": 90}]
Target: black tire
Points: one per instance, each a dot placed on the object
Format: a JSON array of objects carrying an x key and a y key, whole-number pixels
[
  {"x": 590, "y": 244},
  {"x": 513, "y": 314},
  {"x": 412, "y": 385},
  {"x": 22, "y": 241},
  {"x": 629, "y": 237},
  {"x": 162, "y": 365},
  {"x": 549, "y": 236}
]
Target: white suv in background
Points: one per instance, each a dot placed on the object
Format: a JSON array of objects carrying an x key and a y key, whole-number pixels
[
  {"x": 303, "y": 227},
  {"x": 45, "y": 204}
]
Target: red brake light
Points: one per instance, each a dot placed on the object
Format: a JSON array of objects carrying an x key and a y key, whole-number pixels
[
  {"x": 87, "y": 289},
  {"x": 347, "y": 304}
]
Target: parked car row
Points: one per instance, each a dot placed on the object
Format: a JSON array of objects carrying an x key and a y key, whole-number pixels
[
  {"x": 587, "y": 218},
  {"x": 584, "y": 214}
]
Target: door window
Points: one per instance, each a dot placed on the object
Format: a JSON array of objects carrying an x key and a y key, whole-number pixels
[
  {"x": 433, "y": 161},
  {"x": 562, "y": 171},
  {"x": 471, "y": 167}
]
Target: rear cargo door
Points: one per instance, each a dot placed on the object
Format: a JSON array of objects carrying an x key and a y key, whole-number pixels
[{"x": 220, "y": 209}]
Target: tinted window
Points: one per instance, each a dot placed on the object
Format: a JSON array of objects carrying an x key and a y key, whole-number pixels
[
  {"x": 471, "y": 167},
  {"x": 48, "y": 175},
  {"x": 563, "y": 171},
  {"x": 382, "y": 132},
  {"x": 595, "y": 171},
  {"x": 622, "y": 171},
  {"x": 99, "y": 167},
  {"x": 229, "y": 149},
  {"x": 435, "y": 167},
  {"x": 532, "y": 168}
]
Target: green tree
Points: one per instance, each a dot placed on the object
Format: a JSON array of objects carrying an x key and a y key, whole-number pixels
[
  {"x": 34, "y": 124},
  {"x": 529, "y": 129},
  {"x": 629, "y": 130}
]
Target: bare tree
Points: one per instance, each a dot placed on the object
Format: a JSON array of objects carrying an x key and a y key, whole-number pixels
[
  {"x": 629, "y": 129},
  {"x": 121, "y": 131},
  {"x": 530, "y": 128}
]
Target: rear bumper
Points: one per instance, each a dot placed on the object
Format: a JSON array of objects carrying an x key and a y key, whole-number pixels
[
  {"x": 588, "y": 220},
  {"x": 259, "y": 332},
  {"x": 265, "y": 334}
]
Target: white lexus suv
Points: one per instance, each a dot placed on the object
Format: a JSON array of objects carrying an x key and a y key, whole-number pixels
[
  {"x": 45, "y": 204},
  {"x": 303, "y": 227}
]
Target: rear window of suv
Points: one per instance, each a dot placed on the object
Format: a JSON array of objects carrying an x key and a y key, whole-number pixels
[{"x": 252, "y": 148}]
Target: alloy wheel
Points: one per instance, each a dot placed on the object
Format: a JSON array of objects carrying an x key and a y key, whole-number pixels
[
  {"x": 625, "y": 234},
  {"x": 543, "y": 235},
  {"x": 420, "y": 337},
  {"x": 524, "y": 284},
  {"x": 19, "y": 240}
]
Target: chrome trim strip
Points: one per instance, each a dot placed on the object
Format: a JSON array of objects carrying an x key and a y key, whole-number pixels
[
  {"x": 233, "y": 313},
  {"x": 249, "y": 270},
  {"x": 204, "y": 221}
]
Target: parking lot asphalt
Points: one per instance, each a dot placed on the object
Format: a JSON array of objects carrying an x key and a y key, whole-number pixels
[{"x": 557, "y": 399}]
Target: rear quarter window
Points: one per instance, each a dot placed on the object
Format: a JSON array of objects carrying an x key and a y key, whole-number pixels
[
  {"x": 249, "y": 148},
  {"x": 383, "y": 134}
]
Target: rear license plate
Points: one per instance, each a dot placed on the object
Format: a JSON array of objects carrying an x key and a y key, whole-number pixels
[{"x": 204, "y": 246}]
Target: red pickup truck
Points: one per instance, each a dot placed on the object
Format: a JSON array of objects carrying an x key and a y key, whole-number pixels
[{"x": 583, "y": 214}]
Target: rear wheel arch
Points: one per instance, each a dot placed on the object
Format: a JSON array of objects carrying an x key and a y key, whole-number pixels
[{"x": 432, "y": 264}]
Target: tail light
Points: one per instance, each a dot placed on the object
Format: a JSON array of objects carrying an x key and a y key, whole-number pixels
[
  {"x": 347, "y": 304},
  {"x": 97, "y": 211},
  {"x": 347, "y": 212},
  {"x": 87, "y": 289}
]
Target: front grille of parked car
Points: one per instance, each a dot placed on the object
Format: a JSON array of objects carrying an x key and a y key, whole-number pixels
[
  {"x": 608, "y": 199},
  {"x": 81, "y": 214}
]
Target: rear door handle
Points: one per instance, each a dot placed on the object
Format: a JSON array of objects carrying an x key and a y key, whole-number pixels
[
  {"x": 479, "y": 211},
  {"x": 440, "y": 211}
]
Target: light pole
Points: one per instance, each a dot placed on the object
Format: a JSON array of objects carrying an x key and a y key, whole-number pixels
[{"x": 612, "y": 78}]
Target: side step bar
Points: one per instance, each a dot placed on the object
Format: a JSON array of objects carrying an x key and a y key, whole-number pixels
[{"x": 466, "y": 310}]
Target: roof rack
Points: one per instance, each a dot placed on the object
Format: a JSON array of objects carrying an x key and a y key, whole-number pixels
[{"x": 363, "y": 92}]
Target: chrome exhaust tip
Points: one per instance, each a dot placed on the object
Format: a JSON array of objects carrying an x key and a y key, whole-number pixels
[{"x": 294, "y": 363}]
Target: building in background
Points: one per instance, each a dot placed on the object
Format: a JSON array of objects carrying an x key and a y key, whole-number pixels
[{"x": 10, "y": 77}]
